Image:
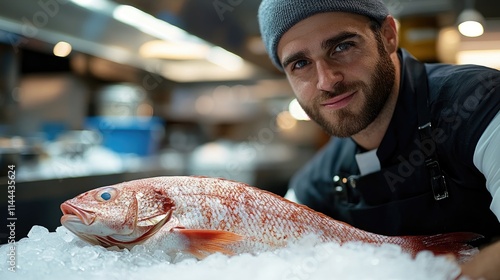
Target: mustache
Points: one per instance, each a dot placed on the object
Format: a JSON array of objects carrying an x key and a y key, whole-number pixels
[{"x": 342, "y": 88}]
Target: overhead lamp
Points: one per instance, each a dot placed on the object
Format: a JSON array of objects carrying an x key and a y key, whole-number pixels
[
  {"x": 173, "y": 50},
  {"x": 152, "y": 25},
  {"x": 62, "y": 49},
  {"x": 470, "y": 21}
]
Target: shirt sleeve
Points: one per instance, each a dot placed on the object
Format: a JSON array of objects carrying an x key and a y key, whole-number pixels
[{"x": 487, "y": 161}]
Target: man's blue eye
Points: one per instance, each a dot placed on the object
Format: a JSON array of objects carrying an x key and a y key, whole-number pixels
[
  {"x": 343, "y": 46},
  {"x": 299, "y": 64},
  {"x": 106, "y": 196}
]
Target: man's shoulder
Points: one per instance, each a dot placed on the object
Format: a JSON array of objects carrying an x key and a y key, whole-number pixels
[
  {"x": 464, "y": 99},
  {"x": 457, "y": 76},
  {"x": 457, "y": 82}
]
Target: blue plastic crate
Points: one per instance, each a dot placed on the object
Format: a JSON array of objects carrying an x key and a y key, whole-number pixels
[{"x": 129, "y": 135}]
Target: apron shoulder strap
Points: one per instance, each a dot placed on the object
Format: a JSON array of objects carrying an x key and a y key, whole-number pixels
[{"x": 438, "y": 182}]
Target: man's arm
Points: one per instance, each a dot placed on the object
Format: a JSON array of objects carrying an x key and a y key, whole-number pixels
[
  {"x": 485, "y": 265},
  {"x": 487, "y": 161}
]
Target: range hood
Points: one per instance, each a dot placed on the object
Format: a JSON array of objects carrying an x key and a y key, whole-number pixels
[{"x": 122, "y": 34}]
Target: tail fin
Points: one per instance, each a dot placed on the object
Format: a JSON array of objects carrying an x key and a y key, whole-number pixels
[{"x": 456, "y": 243}]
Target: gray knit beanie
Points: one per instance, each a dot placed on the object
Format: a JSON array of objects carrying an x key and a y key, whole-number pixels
[{"x": 277, "y": 16}]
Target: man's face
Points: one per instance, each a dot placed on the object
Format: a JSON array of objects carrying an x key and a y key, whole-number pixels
[{"x": 339, "y": 70}]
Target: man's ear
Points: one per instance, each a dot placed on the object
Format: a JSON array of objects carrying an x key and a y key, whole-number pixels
[{"x": 390, "y": 34}]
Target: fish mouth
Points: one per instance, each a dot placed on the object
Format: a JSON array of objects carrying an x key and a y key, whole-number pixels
[
  {"x": 71, "y": 213},
  {"x": 144, "y": 230}
]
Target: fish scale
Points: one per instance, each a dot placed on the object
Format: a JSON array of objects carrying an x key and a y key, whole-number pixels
[{"x": 203, "y": 215}]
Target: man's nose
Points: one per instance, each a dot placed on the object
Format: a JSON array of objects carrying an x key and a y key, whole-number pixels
[{"x": 328, "y": 77}]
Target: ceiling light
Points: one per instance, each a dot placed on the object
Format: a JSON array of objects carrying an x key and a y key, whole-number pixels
[
  {"x": 171, "y": 50},
  {"x": 62, "y": 49},
  {"x": 150, "y": 24},
  {"x": 470, "y": 22},
  {"x": 225, "y": 59},
  {"x": 94, "y": 5}
]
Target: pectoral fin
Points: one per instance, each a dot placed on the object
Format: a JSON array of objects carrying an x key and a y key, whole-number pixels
[{"x": 204, "y": 242}]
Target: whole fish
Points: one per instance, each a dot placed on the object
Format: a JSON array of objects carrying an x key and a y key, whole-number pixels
[{"x": 202, "y": 215}]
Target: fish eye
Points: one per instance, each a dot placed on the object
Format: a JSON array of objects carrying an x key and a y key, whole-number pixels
[{"x": 106, "y": 194}]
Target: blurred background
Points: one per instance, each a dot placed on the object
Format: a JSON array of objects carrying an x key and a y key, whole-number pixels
[{"x": 96, "y": 92}]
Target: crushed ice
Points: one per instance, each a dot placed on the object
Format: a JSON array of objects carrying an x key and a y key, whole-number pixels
[{"x": 62, "y": 255}]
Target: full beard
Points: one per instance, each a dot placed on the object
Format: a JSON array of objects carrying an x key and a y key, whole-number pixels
[{"x": 348, "y": 122}]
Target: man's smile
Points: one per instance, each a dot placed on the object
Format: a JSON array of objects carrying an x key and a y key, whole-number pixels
[{"x": 339, "y": 101}]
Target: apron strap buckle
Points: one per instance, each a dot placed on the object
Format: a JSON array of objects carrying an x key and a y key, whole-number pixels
[{"x": 438, "y": 181}]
